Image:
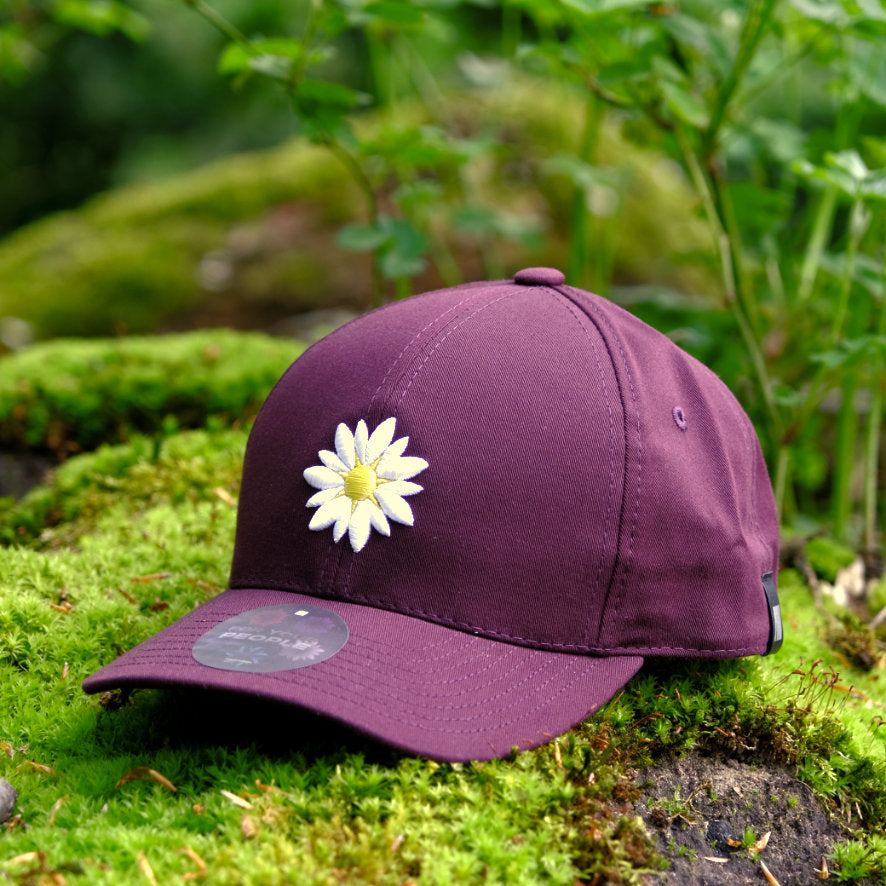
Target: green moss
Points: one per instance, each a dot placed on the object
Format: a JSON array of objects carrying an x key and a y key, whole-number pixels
[
  {"x": 101, "y": 487},
  {"x": 128, "y": 260},
  {"x": 858, "y": 859},
  {"x": 142, "y": 532},
  {"x": 877, "y": 599},
  {"x": 828, "y": 556},
  {"x": 133, "y": 260},
  {"x": 70, "y": 395}
]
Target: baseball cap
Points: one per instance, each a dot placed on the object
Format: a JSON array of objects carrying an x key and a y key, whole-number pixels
[{"x": 468, "y": 517}]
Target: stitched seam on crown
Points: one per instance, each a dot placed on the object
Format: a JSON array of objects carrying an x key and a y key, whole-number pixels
[
  {"x": 345, "y": 584},
  {"x": 331, "y": 562},
  {"x": 412, "y": 341},
  {"x": 439, "y": 343},
  {"x": 639, "y": 485},
  {"x": 582, "y": 318},
  {"x": 450, "y": 331}
]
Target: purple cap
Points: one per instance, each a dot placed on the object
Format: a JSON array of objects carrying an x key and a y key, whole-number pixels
[{"x": 467, "y": 518}]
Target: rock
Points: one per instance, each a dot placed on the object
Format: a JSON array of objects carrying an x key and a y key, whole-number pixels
[{"x": 8, "y": 798}]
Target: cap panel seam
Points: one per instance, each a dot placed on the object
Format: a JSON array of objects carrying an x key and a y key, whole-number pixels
[
  {"x": 428, "y": 350},
  {"x": 332, "y": 563},
  {"x": 581, "y": 317},
  {"x": 438, "y": 342},
  {"x": 412, "y": 341},
  {"x": 615, "y": 593}
]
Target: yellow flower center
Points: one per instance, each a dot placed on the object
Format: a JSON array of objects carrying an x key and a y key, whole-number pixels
[{"x": 360, "y": 483}]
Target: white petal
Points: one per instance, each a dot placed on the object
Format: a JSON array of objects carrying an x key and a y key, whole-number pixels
[
  {"x": 393, "y": 505},
  {"x": 341, "y": 525},
  {"x": 321, "y": 477},
  {"x": 333, "y": 462},
  {"x": 360, "y": 525},
  {"x": 380, "y": 440},
  {"x": 400, "y": 487},
  {"x": 397, "y": 448},
  {"x": 323, "y": 496},
  {"x": 379, "y": 521},
  {"x": 361, "y": 438},
  {"x": 344, "y": 445},
  {"x": 401, "y": 468},
  {"x": 331, "y": 512}
]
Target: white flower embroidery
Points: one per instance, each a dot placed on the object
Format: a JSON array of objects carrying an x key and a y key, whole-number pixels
[{"x": 363, "y": 483}]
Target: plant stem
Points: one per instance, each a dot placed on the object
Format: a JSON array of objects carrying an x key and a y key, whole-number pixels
[
  {"x": 220, "y": 23},
  {"x": 824, "y": 218},
  {"x": 875, "y": 431},
  {"x": 511, "y": 29},
  {"x": 782, "y": 470},
  {"x": 580, "y": 265},
  {"x": 872, "y": 453},
  {"x": 754, "y": 28},
  {"x": 724, "y": 250},
  {"x": 844, "y": 457},
  {"x": 358, "y": 173},
  {"x": 855, "y": 236}
]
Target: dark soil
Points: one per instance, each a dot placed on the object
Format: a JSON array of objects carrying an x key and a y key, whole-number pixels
[
  {"x": 20, "y": 472},
  {"x": 696, "y": 805}
]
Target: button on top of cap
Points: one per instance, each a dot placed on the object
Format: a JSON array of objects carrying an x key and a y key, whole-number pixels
[{"x": 540, "y": 277}]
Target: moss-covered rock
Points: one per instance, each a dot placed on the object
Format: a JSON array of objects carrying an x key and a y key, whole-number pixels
[
  {"x": 70, "y": 395},
  {"x": 252, "y": 238},
  {"x": 116, "y": 481},
  {"x": 123, "y": 541}
]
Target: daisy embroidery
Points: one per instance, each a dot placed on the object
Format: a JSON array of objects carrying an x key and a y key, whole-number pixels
[{"x": 364, "y": 483}]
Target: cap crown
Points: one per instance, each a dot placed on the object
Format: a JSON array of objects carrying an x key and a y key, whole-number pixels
[{"x": 590, "y": 488}]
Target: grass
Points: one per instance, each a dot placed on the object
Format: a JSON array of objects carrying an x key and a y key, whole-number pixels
[{"x": 124, "y": 540}]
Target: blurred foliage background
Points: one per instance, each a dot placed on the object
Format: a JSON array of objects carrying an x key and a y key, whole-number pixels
[{"x": 718, "y": 168}]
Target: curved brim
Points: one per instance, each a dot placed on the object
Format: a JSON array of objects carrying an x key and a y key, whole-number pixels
[{"x": 423, "y": 688}]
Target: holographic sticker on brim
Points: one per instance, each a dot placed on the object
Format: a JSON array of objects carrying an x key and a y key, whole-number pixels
[{"x": 272, "y": 638}]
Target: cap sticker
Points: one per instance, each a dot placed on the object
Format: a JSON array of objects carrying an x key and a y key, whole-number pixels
[
  {"x": 364, "y": 483},
  {"x": 776, "y": 630},
  {"x": 272, "y": 638}
]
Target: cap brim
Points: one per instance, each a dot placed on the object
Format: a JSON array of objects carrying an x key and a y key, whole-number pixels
[{"x": 421, "y": 687}]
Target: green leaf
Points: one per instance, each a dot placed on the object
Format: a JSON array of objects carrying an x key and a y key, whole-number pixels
[
  {"x": 825, "y": 11},
  {"x": 872, "y": 10},
  {"x": 851, "y": 350},
  {"x": 395, "y": 13},
  {"x": 18, "y": 55},
  {"x": 322, "y": 96},
  {"x": 686, "y": 106},
  {"x": 102, "y": 18},
  {"x": 277, "y": 67},
  {"x": 234, "y": 60},
  {"x": 847, "y": 171},
  {"x": 866, "y": 69},
  {"x": 362, "y": 238},
  {"x": 405, "y": 255},
  {"x": 601, "y": 7},
  {"x": 273, "y": 58}
]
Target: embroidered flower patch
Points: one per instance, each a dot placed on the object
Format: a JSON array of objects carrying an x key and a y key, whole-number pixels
[{"x": 364, "y": 483}]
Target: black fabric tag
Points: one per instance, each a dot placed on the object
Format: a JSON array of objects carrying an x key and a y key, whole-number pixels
[{"x": 776, "y": 631}]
